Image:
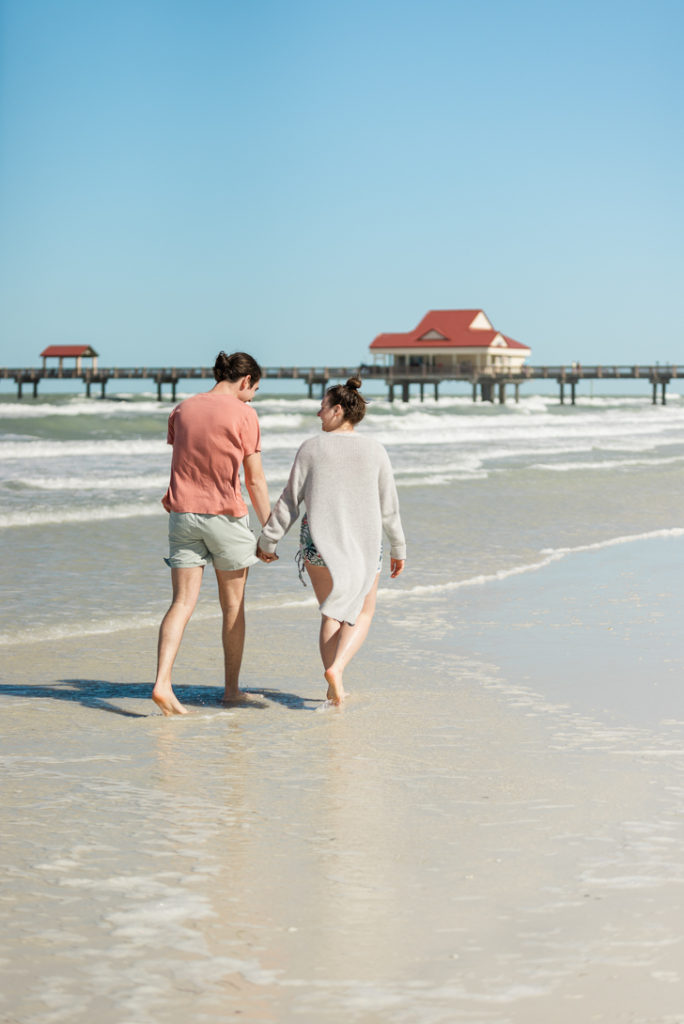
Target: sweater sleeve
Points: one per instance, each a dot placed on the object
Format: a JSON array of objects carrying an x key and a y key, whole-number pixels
[
  {"x": 389, "y": 507},
  {"x": 286, "y": 509}
]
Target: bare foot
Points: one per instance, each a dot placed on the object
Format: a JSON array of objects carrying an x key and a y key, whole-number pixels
[
  {"x": 241, "y": 699},
  {"x": 335, "y": 692},
  {"x": 167, "y": 702},
  {"x": 232, "y": 696}
]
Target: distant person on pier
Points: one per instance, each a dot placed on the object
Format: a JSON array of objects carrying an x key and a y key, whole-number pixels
[
  {"x": 346, "y": 482},
  {"x": 213, "y": 435}
]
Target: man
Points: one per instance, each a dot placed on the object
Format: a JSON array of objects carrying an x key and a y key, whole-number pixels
[{"x": 213, "y": 435}]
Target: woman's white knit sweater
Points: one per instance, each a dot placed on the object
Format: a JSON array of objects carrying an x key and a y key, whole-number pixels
[{"x": 346, "y": 483}]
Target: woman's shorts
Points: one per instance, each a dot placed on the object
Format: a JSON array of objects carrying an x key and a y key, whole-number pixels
[
  {"x": 196, "y": 539},
  {"x": 308, "y": 552}
]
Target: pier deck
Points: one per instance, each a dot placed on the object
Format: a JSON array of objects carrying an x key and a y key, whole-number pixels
[{"x": 489, "y": 385}]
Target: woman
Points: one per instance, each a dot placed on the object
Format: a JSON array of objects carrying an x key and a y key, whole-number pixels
[{"x": 346, "y": 483}]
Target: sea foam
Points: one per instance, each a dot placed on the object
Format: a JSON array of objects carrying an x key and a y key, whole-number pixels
[{"x": 79, "y": 515}]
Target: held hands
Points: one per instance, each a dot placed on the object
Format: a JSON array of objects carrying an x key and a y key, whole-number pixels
[
  {"x": 266, "y": 556},
  {"x": 396, "y": 564}
]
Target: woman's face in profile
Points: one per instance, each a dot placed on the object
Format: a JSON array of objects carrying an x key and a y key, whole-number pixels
[{"x": 329, "y": 415}]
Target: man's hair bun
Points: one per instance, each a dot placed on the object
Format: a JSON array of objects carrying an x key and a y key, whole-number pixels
[
  {"x": 237, "y": 365},
  {"x": 354, "y": 382}
]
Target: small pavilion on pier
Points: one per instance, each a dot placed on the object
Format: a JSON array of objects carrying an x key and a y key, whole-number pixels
[
  {"x": 62, "y": 352},
  {"x": 451, "y": 341}
]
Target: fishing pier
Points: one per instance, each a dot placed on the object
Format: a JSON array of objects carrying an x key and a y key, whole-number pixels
[{"x": 401, "y": 382}]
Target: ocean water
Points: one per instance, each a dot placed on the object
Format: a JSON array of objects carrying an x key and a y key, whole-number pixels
[
  {"x": 485, "y": 491},
  {"x": 489, "y": 831}
]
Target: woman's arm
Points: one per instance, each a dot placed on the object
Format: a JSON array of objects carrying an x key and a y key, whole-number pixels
[
  {"x": 286, "y": 509},
  {"x": 389, "y": 508}
]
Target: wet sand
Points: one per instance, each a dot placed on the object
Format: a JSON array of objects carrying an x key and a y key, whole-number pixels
[{"x": 488, "y": 831}]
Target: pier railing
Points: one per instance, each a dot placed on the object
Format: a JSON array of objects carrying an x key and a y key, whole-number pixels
[{"x": 486, "y": 383}]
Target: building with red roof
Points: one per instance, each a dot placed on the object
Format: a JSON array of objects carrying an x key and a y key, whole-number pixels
[
  {"x": 451, "y": 341},
  {"x": 62, "y": 352}
]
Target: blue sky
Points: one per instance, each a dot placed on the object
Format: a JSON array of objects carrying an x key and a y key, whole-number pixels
[{"x": 292, "y": 178}]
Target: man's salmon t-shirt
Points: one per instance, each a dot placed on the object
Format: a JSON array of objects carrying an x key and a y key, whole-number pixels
[{"x": 211, "y": 435}]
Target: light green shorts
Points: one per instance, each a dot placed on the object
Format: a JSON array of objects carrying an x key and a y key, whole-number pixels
[{"x": 196, "y": 539}]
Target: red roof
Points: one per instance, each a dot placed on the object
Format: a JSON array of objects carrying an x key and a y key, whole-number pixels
[
  {"x": 68, "y": 350},
  {"x": 454, "y": 326},
  {"x": 514, "y": 344}
]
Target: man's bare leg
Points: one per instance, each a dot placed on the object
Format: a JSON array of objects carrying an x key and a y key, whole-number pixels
[
  {"x": 185, "y": 585},
  {"x": 231, "y": 587}
]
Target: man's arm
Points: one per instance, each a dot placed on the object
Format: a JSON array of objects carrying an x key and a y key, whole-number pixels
[{"x": 256, "y": 485}]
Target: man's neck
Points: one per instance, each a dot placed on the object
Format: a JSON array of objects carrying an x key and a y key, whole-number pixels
[{"x": 226, "y": 387}]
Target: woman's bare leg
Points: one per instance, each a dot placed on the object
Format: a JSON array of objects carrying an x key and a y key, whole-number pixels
[
  {"x": 321, "y": 581},
  {"x": 350, "y": 639},
  {"x": 339, "y": 641},
  {"x": 186, "y": 585},
  {"x": 327, "y": 640}
]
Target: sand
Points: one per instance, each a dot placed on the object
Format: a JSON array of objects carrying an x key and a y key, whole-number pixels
[{"x": 489, "y": 831}]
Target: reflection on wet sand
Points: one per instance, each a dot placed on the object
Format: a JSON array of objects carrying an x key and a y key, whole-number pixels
[{"x": 454, "y": 844}]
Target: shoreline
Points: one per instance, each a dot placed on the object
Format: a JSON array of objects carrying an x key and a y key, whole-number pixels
[{"x": 405, "y": 592}]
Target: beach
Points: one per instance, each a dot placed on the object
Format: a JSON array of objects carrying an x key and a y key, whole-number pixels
[{"x": 489, "y": 830}]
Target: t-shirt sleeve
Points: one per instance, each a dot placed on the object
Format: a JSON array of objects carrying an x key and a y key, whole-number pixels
[
  {"x": 251, "y": 434},
  {"x": 170, "y": 431}
]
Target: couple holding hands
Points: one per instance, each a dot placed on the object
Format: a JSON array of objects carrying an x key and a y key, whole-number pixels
[{"x": 343, "y": 479}]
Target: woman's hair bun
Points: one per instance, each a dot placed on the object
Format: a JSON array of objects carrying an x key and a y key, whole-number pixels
[{"x": 350, "y": 398}]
